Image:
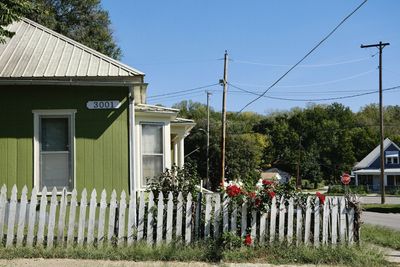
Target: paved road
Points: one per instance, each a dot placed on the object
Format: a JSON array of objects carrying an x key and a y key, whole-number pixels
[
  {"x": 377, "y": 200},
  {"x": 391, "y": 220}
]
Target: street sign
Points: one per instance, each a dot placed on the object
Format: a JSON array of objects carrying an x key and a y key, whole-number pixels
[{"x": 345, "y": 178}]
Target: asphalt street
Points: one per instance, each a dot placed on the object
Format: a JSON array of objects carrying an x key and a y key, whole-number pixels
[
  {"x": 377, "y": 200},
  {"x": 391, "y": 220}
]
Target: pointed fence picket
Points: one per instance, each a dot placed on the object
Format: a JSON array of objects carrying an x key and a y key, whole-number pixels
[{"x": 45, "y": 219}]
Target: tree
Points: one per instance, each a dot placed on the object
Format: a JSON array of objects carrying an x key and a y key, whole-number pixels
[
  {"x": 81, "y": 20},
  {"x": 10, "y": 11}
]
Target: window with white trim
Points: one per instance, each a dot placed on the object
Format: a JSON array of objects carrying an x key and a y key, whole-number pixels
[
  {"x": 54, "y": 149},
  {"x": 152, "y": 151},
  {"x": 392, "y": 157}
]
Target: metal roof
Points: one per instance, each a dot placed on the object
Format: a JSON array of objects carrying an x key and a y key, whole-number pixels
[
  {"x": 373, "y": 155},
  {"x": 157, "y": 109},
  {"x": 183, "y": 121},
  {"x": 38, "y": 52}
]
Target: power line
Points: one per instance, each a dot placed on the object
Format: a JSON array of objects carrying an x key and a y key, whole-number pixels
[
  {"x": 321, "y": 83},
  {"x": 304, "y": 57},
  {"x": 186, "y": 90},
  {"x": 305, "y": 65},
  {"x": 315, "y": 99}
]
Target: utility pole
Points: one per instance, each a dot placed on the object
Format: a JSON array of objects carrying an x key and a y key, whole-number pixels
[
  {"x": 380, "y": 46},
  {"x": 223, "y": 126},
  {"x": 208, "y": 140},
  {"x": 298, "y": 179}
]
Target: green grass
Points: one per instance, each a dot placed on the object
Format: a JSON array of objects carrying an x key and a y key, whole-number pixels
[
  {"x": 380, "y": 236},
  {"x": 382, "y": 208},
  {"x": 212, "y": 252}
]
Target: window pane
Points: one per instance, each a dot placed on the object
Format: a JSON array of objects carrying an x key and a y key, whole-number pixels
[
  {"x": 54, "y": 134},
  {"x": 55, "y": 170},
  {"x": 152, "y": 139},
  {"x": 152, "y": 166}
]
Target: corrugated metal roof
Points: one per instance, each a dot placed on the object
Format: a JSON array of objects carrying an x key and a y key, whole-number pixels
[
  {"x": 373, "y": 155},
  {"x": 157, "y": 109},
  {"x": 38, "y": 52}
]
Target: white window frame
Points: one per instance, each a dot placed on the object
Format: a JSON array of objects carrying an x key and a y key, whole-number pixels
[
  {"x": 36, "y": 142},
  {"x": 141, "y": 148}
]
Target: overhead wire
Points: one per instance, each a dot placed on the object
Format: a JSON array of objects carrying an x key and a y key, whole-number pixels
[
  {"x": 305, "y": 56},
  {"x": 315, "y": 99},
  {"x": 182, "y": 91}
]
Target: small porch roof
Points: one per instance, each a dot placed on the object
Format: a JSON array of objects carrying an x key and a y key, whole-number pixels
[{"x": 394, "y": 171}]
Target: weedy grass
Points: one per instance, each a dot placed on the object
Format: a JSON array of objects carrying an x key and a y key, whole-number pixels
[
  {"x": 211, "y": 251},
  {"x": 380, "y": 236}
]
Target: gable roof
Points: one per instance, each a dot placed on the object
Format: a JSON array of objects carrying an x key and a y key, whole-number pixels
[
  {"x": 38, "y": 52},
  {"x": 374, "y": 154}
]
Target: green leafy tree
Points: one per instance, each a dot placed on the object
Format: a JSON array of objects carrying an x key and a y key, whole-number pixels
[
  {"x": 10, "y": 11},
  {"x": 82, "y": 20}
]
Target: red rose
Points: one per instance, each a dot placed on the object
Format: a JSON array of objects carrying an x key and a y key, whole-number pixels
[
  {"x": 247, "y": 240},
  {"x": 233, "y": 190},
  {"x": 266, "y": 182},
  {"x": 321, "y": 197},
  {"x": 257, "y": 202},
  {"x": 252, "y": 195},
  {"x": 271, "y": 194}
]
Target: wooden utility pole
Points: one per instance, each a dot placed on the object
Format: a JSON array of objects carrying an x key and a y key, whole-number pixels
[
  {"x": 298, "y": 178},
  {"x": 223, "y": 126},
  {"x": 208, "y": 140},
  {"x": 380, "y": 46}
]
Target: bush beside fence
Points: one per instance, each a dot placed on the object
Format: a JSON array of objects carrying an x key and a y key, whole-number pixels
[{"x": 67, "y": 220}]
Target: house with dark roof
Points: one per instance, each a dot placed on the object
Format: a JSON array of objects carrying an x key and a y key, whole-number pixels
[
  {"x": 72, "y": 117},
  {"x": 367, "y": 171}
]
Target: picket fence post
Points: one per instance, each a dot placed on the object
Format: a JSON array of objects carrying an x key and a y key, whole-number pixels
[
  {"x": 282, "y": 213},
  {"x": 188, "y": 225},
  {"x": 290, "y": 221},
  {"x": 31, "y": 217},
  {"x": 179, "y": 216},
  {"x": 21, "y": 217},
  {"x": 334, "y": 214},
  {"x": 52, "y": 218},
  {"x": 11, "y": 217},
  {"x": 217, "y": 214},
  {"x": 170, "y": 213},
  {"x": 132, "y": 227},
  {"x": 316, "y": 222},
  {"x": 140, "y": 228},
  {"x": 150, "y": 219},
  {"x": 207, "y": 217},
  {"x": 92, "y": 217},
  {"x": 272, "y": 224},
  {"x": 307, "y": 224},
  {"x": 111, "y": 217},
  {"x": 82, "y": 217},
  {"x": 102, "y": 216},
  {"x": 299, "y": 224},
  {"x": 343, "y": 222},
  {"x": 160, "y": 218},
  {"x": 3, "y": 203},
  {"x": 61, "y": 217}
]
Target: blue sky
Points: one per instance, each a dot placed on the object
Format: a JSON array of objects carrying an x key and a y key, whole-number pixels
[{"x": 180, "y": 44}]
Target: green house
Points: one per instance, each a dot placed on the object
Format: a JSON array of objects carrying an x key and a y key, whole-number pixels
[{"x": 72, "y": 117}]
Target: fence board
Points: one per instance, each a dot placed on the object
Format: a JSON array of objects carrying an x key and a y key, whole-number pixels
[
  {"x": 102, "y": 217},
  {"x": 111, "y": 216},
  {"x": 234, "y": 218},
  {"x": 71, "y": 219},
  {"x": 334, "y": 215},
  {"x": 121, "y": 219},
  {"x": 351, "y": 226},
  {"x": 3, "y": 203},
  {"x": 132, "y": 227},
  {"x": 253, "y": 231},
  {"x": 342, "y": 222},
  {"x": 11, "y": 217},
  {"x": 92, "y": 217},
  {"x": 244, "y": 220},
  {"x": 52, "y": 218},
  {"x": 188, "y": 224},
  {"x": 272, "y": 223},
  {"x": 225, "y": 215},
  {"x": 31, "y": 217},
  {"x": 160, "y": 218},
  {"x": 150, "y": 233},
  {"x": 207, "y": 216},
  {"x": 179, "y": 216},
  {"x": 22, "y": 216},
  {"x": 82, "y": 217},
  {"x": 325, "y": 222},
  {"x": 316, "y": 222},
  {"x": 263, "y": 228},
  {"x": 290, "y": 221},
  {"x": 217, "y": 214},
  {"x": 307, "y": 224},
  {"x": 282, "y": 213},
  {"x": 141, "y": 217},
  {"x": 42, "y": 216},
  {"x": 299, "y": 224},
  {"x": 170, "y": 213},
  {"x": 61, "y": 217}
]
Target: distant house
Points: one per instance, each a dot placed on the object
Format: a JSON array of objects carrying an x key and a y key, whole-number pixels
[
  {"x": 275, "y": 173},
  {"x": 367, "y": 171},
  {"x": 72, "y": 117}
]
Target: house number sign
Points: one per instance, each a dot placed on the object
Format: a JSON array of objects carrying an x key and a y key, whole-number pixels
[{"x": 107, "y": 104}]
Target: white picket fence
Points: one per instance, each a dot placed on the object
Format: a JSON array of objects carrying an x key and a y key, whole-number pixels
[{"x": 65, "y": 221}]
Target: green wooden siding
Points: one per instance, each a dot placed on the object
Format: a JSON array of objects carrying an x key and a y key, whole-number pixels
[{"x": 101, "y": 135}]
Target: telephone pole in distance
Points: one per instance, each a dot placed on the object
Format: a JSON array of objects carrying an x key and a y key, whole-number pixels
[
  {"x": 223, "y": 126},
  {"x": 380, "y": 46}
]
